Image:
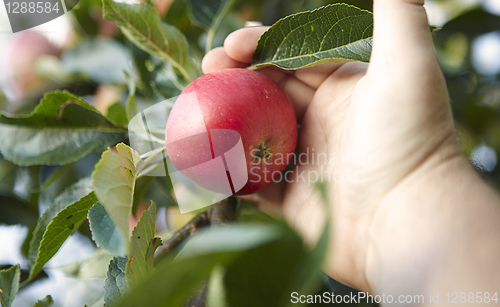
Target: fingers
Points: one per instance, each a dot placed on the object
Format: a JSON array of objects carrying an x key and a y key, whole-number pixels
[
  {"x": 401, "y": 40},
  {"x": 316, "y": 75},
  {"x": 237, "y": 51},
  {"x": 269, "y": 199},
  {"x": 218, "y": 59},
  {"x": 241, "y": 44},
  {"x": 300, "y": 93}
]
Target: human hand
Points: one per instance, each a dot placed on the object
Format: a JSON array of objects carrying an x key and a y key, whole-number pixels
[{"x": 388, "y": 127}]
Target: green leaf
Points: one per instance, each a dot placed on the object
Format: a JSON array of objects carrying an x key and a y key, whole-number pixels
[
  {"x": 287, "y": 267},
  {"x": 102, "y": 59},
  {"x": 202, "y": 12},
  {"x": 177, "y": 15},
  {"x": 333, "y": 33},
  {"x": 28, "y": 146},
  {"x": 8, "y": 175},
  {"x": 235, "y": 237},
  {"x": 113, "y": 180},
  {"x": 150, "y": 257},
  {"x": 98, "y": 303},
  {"x": 131, "y": 107},
  {"x": 141, "y": 24},
  {"x": 53, "y": 177},
  {"x": 270, "y": 272},
  {"x": 207, "y": 13},
  {"x": 69, "y": 196},
  {"x": 116, "y": 112},
  {"x": 144, "y": 75},
  {"x": 45, "y": 302},
  {"x": 25, "y": 273},
  {"x": 60, "y": 109},
  {"x": 160, "y": 191},
  {"x": 166, "y": 83},
  {"x": 94, "y": 266},
  {"x": 63, "y": 225},
  {"x": 104, "y": 232},
  {"x": 217, "y": 34},
  {"x": 115, "y": 285},
  {"x": 142, "y": 246},
  {"x": 306, "y": 276},
  {"x": 172, "y": 282},
  {"x": 217, "y": 296},
  {"x": 141, "y": 186},
  {"x": 9, "y": 284},
  {"x": 62, "y": 129},
  {"x": 473, "y": 22},
  {"x": 82, "y": 17},
  {"x": 14, "y": 210}
]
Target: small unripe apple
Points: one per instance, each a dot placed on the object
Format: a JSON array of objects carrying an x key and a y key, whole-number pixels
[
  {"x": 18, "y": 76},
  {"x": 203, "y": 122}
]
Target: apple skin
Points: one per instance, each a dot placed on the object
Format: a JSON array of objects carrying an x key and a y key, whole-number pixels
[{"x": 236, "y": 99}]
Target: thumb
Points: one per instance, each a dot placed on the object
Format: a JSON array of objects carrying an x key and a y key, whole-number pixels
[{"x": 402, "y": 41}]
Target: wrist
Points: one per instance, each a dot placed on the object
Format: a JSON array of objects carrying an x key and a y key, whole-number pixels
[{"x": 431, "y": 220}]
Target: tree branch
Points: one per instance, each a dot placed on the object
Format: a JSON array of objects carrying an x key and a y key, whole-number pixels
[
  {"x": 224, "y": 212},
  {"x": 201, "y": 220},
  {"x": 220, "y": 213}
]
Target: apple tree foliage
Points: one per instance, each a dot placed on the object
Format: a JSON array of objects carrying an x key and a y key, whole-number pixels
[{"x": 77, "y": 157}]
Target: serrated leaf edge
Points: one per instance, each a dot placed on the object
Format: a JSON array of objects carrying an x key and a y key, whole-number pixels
[
  {"x": 31, "y": 276},
  {"x": 263, "y": 39},
  {"x": 158, "y": 49}
]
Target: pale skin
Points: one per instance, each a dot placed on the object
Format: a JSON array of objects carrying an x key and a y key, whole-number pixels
[{"x": 419, "y": 219}]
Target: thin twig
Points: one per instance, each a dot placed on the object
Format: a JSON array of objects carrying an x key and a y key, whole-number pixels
[
  {"x": 199, "y": 221},
  {"x": 199, "y": 297}
]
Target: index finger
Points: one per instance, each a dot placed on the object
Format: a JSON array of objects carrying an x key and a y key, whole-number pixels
[{"x": 241, "y": 44}]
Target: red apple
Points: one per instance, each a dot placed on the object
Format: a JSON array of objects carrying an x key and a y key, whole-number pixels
[{"x": 213, "y": 112}]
